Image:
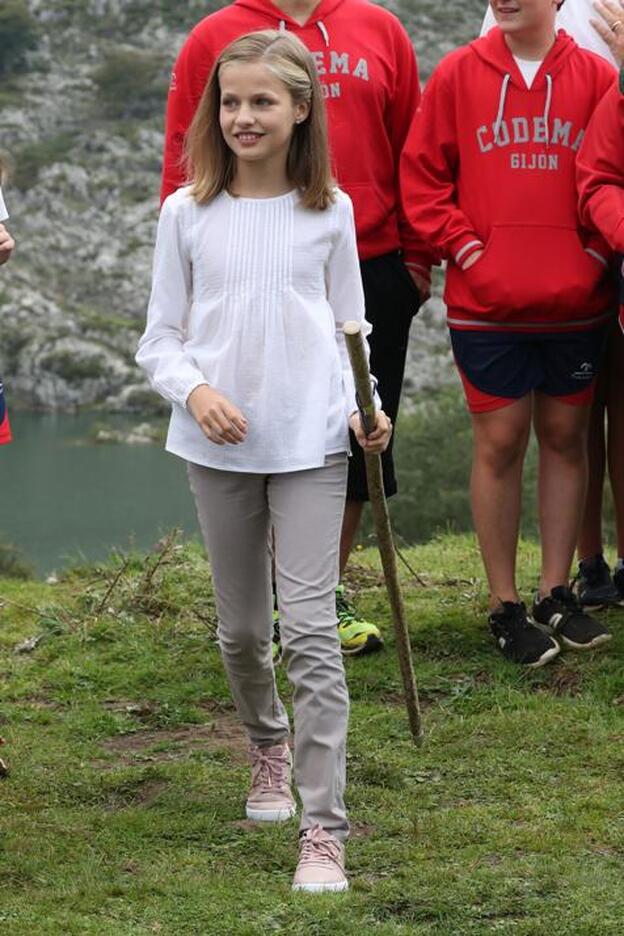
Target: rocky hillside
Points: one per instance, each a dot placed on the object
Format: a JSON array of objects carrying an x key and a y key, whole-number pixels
[{"x": 81, "y": 120}]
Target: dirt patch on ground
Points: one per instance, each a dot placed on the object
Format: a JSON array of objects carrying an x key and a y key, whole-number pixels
[
  {"x": 358, "y": 577},
  {"x": 41, "y": 702},
  {"x": 564, "y": 681},
  {"x": 223, "y": 733},
  {"x": 361, "y": 830}
]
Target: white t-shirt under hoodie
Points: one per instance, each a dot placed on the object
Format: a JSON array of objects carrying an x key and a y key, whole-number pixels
[{"x": 250, "y": 295}]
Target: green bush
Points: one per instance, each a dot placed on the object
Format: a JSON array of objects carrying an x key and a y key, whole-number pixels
[
  {"x": 131, "y": 84},
  {"x": 34, "y": 157},
  {"x": 184, "y": 15},
  {"x": 18, "y": 35},
  {"x": 72, "y": 368},
  {"x": 433, "y": 455}
]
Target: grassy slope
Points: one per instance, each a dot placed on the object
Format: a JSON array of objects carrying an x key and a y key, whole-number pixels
[{"x": 122, "y": 814}]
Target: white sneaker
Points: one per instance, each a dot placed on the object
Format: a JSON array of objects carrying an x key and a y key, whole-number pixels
[
  {"x": 270, "y": 798},
  {"x": 321, "y": 863}
]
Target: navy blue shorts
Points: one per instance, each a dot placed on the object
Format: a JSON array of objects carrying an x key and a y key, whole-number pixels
[{"x": 499, "y": 367}]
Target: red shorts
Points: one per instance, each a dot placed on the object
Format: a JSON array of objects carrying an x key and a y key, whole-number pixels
[{"x": 497, "y": 368}]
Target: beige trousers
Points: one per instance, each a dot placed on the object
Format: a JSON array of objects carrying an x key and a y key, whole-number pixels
[{"x": 304, "y": 508}]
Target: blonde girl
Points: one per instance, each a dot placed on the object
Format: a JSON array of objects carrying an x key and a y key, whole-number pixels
[{"x": 255, "y": 272}]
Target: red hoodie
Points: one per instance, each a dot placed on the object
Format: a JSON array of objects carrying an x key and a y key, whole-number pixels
[
  {"x": 490, "y": 162},
  {"x": 600, "y": 175},
  {"x": 600, "y": 171},
  {"x": 368, "y": 69}
]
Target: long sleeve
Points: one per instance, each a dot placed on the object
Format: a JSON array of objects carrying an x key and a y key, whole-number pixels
[
  {"x": 428, "y": 176},
  {"x": 4, "y": 214},
  {"x": 402, "y": 108},
  {"x": 345, "y": 293},
  {"x": 600, "y": 171},
  {"x": 172, "y": 372},
  {"x": 188, "y": 80}
]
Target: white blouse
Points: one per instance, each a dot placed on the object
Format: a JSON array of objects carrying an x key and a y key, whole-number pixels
[
  {"x": 249, "y": 295},
  {"x": 4, "y": 214}
]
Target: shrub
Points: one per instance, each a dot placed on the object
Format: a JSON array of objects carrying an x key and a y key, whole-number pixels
[
  {"x": 73, "y": 368},
  {"x": 12, "y": 563},
  {"x": 18, "y": 34},
  {"x": 131, "y": 84},
  {"x": 433, "y": 455},
  {"x": 34, "y": 157}
]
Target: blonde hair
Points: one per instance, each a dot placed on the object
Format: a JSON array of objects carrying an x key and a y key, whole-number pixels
[{"x": 211, "y": 164}]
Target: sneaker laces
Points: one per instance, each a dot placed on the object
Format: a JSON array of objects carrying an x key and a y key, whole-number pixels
[
  {"x": 564, "y": 602},
  {"x": 513, "y": 619},
  {"x": 593, "y": 572},
  {"x": 269, "y": 769},
  {"x": 319, "y": 847},
  {"x": 344, "y": 608}
]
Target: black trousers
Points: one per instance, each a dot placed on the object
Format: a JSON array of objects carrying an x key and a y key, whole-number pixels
[{"x": 392, "y": 300}]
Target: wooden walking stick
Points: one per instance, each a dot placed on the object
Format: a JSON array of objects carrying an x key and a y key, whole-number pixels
[{"x": 385, "y": 540}]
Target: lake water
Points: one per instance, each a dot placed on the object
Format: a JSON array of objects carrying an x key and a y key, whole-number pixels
[{"x": 63, "y": 498}]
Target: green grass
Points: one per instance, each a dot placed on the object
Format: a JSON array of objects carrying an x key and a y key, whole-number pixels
[{"x": 122, "y": 812}]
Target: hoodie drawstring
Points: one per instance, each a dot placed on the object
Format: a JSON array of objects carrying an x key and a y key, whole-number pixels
[
  {"x": 323, "y": 31},
  {"x": 549, "y": 91},
  {"x": 322, "y": 28},
  {"x": 501, "y": 106}
]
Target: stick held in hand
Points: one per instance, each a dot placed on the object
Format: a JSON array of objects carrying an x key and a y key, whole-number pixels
[{"x": 385, "y": 540}]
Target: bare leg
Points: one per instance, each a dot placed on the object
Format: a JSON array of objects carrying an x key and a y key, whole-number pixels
[
  {"x": 590, "y": 535},
  {"x": 350, "y": 526},
  {"x": 561, "y": 432},
  {"x": 615, "y": 411},
  {"x": 500, "y": 440}
]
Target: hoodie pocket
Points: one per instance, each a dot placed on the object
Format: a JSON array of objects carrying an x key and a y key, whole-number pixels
[
  {"x": 372, "y": 206},
  {"x": 524, "y": 267}
]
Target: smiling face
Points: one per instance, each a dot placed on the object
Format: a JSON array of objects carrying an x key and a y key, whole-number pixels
[
  {"x": 257, "y": 113},
  {"x": 517, "y": 17}
]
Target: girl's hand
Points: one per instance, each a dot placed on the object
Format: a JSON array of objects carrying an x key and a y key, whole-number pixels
[
  {"x": 377, "y": 441},
  {"x": 219, "y": 420},
  {"x": 7, "y": 244}
]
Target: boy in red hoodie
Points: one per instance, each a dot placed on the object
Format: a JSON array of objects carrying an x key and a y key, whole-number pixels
[
  {"x": 369, "y": 76},
  {"x": 488, "y": 178}
]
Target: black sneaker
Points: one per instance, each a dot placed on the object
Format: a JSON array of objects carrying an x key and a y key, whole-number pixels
[
  {"x": 595, "y": 587},
  {"x": 519, "y": 640},
  {"x": 561, "y": 613},
  {"x": 618, "y": 582}
]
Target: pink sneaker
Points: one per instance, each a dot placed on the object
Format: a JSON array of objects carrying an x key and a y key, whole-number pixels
[
  {"x": 270, "y": 798},
  {"x": 321, "y": 863}
]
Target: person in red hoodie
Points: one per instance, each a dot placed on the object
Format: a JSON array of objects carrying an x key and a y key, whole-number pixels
[
  {"x": 369, "y": 76},
  {"x": 600, "y": 177},
  {"x": 488, "y": 177}
]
